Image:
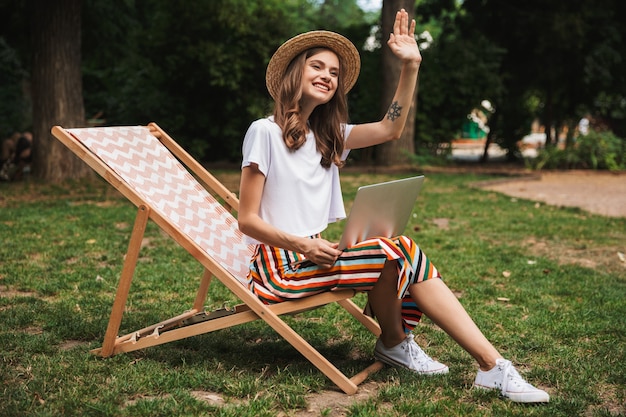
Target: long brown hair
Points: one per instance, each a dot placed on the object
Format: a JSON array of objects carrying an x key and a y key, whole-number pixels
[{"x": 326, "y": 120}]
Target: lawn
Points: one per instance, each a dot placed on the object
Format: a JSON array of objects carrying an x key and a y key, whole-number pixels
[{"x": 560, "y": 319}]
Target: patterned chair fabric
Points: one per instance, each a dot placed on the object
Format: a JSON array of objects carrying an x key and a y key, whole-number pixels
[{"x": 149, "y": 167}]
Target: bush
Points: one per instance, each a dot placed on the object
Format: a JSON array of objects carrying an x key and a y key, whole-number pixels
[{"x": 596, "y": 150}]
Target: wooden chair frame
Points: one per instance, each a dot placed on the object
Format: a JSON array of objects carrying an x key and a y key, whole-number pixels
[{"x": 251, "y": 308}]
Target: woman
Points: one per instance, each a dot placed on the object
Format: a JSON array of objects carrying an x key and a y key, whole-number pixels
[{"x": 290, "y": 191}]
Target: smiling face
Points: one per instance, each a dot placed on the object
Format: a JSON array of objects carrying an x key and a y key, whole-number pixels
[{"x": 320, "y": 77}]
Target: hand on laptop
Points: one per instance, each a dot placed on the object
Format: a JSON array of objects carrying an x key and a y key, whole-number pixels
[{"x": 322, "y": 252}]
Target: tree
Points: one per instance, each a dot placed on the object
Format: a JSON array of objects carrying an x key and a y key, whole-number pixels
[
  {"x": 339, "y": 14},
  {"x": 394, "y": 152},
  {"x": 197, "y": 68},
  {"x": 460, "y": 69},
  {"x": 56, "y": 85},
  {"x": 561, "y": 59}
]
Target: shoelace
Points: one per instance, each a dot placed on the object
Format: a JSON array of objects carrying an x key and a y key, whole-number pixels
[
  {"x": 510, "y": 375},
  {"x": 416, "y": 352}
]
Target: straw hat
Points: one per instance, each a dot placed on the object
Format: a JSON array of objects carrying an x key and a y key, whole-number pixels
[{"x": 346, "y": 51}]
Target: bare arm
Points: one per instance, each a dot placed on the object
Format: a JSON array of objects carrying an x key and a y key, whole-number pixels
[
  {"x": 319, "y": 251},
  {"x": 402, "y": 43}
]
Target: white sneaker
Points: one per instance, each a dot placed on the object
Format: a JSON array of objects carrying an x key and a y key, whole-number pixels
[
  {"x": 505, "y": 377},
  {"x": 409, "y": 355}
]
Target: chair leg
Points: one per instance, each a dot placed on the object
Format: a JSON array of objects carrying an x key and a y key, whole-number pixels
[
  {"x": 357, "y": 313},
  {"x": 365, "y": 373},
  {"x": 203, "y": 290},
  {"x": 143, "y": 214}
]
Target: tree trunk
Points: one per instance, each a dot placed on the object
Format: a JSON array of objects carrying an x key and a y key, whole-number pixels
[
  {"x": 394, "y": 152},
  {"x": 57, "y": 92}
]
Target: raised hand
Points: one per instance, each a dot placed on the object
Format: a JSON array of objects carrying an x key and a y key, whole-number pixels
[{"x": 402, "y": 41}]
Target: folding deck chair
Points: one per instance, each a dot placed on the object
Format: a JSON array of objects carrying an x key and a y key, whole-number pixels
[{"x": 151, "y": 170}]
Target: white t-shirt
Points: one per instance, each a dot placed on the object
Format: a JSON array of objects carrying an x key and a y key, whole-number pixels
[{"x": 300, "y": 196}]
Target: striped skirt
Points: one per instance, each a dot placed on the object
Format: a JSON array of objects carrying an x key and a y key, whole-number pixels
[{"x": 274, "y": 276}]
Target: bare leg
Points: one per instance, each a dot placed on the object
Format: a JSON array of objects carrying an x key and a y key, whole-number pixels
[
  {"x": 383, "y": 299},
  {"x": 434, "y": 298}
]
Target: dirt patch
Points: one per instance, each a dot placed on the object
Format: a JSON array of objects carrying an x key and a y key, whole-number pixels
[
  {"x": 11, "y": 293},
  {"x": 330, "y": 402},
  {"x": 214, "y": 398},
  {"x": 71, "y": 344},
  {"x": 609, "y": 259},
  {"x": 601, "y": 193},
  {"x": 336, "y": 403}
]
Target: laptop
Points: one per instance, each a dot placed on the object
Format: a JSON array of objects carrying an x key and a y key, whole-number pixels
[
  {"x": 378, "y": 210},
  {"x": 381, "y": 210}
]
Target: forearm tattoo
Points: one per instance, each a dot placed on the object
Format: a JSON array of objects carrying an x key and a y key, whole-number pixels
[{"x": 394, "y": 111}]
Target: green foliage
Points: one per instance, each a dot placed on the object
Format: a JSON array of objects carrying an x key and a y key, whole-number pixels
[
  {"x": 459, "y": 70},
  {"x": 566, "y": 54},
  {"x": 339, "y": 14},
  {"x": 596, "y": 150},
  {"x": 197, "y": 68},
  {"x": 14, "y": 115}
]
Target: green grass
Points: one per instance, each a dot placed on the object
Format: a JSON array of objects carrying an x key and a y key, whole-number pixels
[{"x": 544, "y": 283}]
